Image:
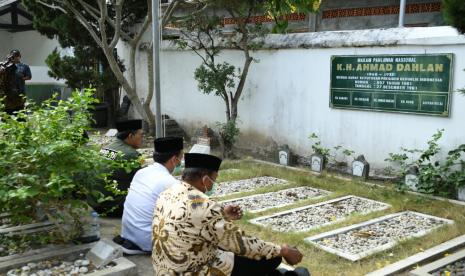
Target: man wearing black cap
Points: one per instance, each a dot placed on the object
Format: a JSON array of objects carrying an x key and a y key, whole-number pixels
[
  {"x": 143, "y": 193},
  {"x": 129, "y": 138},
  {"x": 193, "y": 234}
]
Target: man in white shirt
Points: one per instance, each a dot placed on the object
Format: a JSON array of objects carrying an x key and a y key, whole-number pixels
[{"x": 146, "y": 186}]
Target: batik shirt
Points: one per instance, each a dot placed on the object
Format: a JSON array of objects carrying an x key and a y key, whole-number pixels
[{"x": 188, "y": 231}]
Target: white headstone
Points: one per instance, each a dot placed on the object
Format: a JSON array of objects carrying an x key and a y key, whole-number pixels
[
  {"x": 316, "y": 163},
  {"x": 411, "y": 181},
  {"x": 111, "y": 132},
  {"x": 461, "y": 193},
  {"x": 283, "y": 158},
  {"x": 357, "y": 168},
  {"x": 204, "y": 149}
]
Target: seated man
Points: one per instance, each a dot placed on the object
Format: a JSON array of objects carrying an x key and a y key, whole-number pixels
[
  {"x": 143, "y": 193},
  {"x": 194, "y": 234},
  {"x": 128, "y": 139}
]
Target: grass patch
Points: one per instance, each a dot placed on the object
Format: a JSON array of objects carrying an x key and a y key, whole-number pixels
[{"x": 320, "y": 262}]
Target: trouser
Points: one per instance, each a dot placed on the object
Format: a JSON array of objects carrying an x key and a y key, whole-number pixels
[{"x": 248, "y": 267}]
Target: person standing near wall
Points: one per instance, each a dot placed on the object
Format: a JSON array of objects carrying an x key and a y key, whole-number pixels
[{"x": 15, "y": 100}]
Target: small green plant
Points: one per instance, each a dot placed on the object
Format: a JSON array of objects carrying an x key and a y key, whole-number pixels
[
  {"x": 435, "y": 176},
  {"x": 331, "y": 157},
  {"x": 317, "y": 147},
  {"x": 228, "y": 133},
  {"x": 46, "y": 166},
  {"x": 338, "y": 151}
]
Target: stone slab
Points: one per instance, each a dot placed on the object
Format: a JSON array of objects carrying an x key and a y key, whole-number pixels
[
  {"x": 421, "y": 257},
  {"x": 123, "y": 267},
  {"x": 427, "y": 269},
  {"x": 104, "y": 252},
  {"x": 256, "y": 221},
  {"x": 262, "y": 197},
  {"x": 111, "y": 132},
  {"x": 197, "y": 148},
  {"x": 355, "y": 257}
]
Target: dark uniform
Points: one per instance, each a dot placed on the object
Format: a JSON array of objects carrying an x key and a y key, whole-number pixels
[{"x": 117, "y": 149}]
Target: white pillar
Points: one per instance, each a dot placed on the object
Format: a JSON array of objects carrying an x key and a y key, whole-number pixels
[
  {"x": 402, "y": 13},
  {"x": 156, "y": 64}
]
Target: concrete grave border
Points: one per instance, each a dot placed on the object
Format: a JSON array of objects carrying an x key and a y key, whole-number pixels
[
  {"x": 281, "y": 205},
  {"x": 421, "y": 257},
  {"x": 286, "y": 182},
  {"x": 370, "y": 184},
  {"x": 256, "y": 220},
  {"x": 123, "y": 266},
  {"x": 425, "y": 270},
  {"x": 27, "y": 228},
  {"x": 356, "y": 257}
]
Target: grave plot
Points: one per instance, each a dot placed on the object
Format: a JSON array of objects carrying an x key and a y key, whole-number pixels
[
  {"x": 11, "y": 245},
  {"x": 316, "y": 215},
  {"x": 361, "y": 240},
  {"x": 450, "y": 265},
  {"x": 261, "y": 202},
  {"x": 15, "y": 239},
  {"x": 247, "y": 185},
  {"x": 66, "y": 260}
]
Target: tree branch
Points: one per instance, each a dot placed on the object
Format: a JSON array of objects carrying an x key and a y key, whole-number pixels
[
  {"x": 116, "y": 35},
  {"x": 51, "y": 6},
  {"x": 89, "y": 9},
  {"x": 84, "y": 22}
]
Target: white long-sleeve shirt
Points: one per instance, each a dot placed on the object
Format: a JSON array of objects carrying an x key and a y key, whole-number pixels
[{"x": 146, "y": 187}]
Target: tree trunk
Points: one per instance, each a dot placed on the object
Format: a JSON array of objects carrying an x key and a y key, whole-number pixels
[{"x": 150, "y": 92}]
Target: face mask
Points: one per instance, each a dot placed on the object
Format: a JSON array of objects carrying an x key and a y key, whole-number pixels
[
  {"x": 177, "y": 169},
  {"x": 212, "y": 190}
]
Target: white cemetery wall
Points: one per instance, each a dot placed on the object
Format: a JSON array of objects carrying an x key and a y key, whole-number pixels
[
  {"x": 34, "y": 49},
  {"x": 286, "y": 96},
  {"x": 5, "y": 46}
]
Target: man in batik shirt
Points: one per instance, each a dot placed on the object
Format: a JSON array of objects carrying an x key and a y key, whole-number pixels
[{"x": 194, "y": 235}]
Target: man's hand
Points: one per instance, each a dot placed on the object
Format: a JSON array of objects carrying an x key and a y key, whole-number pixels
[
  {"x": 233, "y": 212},
  {"x": 291, "y": 255}
]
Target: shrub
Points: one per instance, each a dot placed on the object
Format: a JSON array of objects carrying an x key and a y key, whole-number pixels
[
  {"x": 46, "y": 166},
  {"x": 436, "y": 176}
]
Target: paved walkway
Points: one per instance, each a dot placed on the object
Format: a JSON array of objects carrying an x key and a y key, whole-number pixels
[{"x": 109, "y": 228}]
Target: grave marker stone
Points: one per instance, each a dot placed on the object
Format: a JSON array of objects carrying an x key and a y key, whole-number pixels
[
  {"x": 284, "y": 156},
  {"x": 103, "y": 252},
  {"x": 317, "y": 162},
  {"x": 203, "y": 143},
  {"x": 411, "y": 178},
  {"x": 360, "y": 167},
  {"x": 111, "y": 132}
]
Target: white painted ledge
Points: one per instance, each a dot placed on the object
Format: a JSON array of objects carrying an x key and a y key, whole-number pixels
[{"x": 437, "y": 36}]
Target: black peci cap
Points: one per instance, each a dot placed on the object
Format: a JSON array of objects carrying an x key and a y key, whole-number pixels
[
  {"x": 202, "y": 161},
  {"x": 15, "y": 53},
  {"x": 128, "y": 125},
  {"x": 168, "y": 144}
]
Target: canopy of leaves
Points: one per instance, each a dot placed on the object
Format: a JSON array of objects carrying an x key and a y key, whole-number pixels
[{"x": 454, "y": 13}]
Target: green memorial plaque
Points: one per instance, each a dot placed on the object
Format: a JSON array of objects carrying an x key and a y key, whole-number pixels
[{"x": 418, "y": 84}]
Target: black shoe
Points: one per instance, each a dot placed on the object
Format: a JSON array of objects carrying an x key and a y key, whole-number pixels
[
  {"x": 118, "y": 240},
  {"x": 129, "y": 247},
  {"x": 299, "y": 271}
]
